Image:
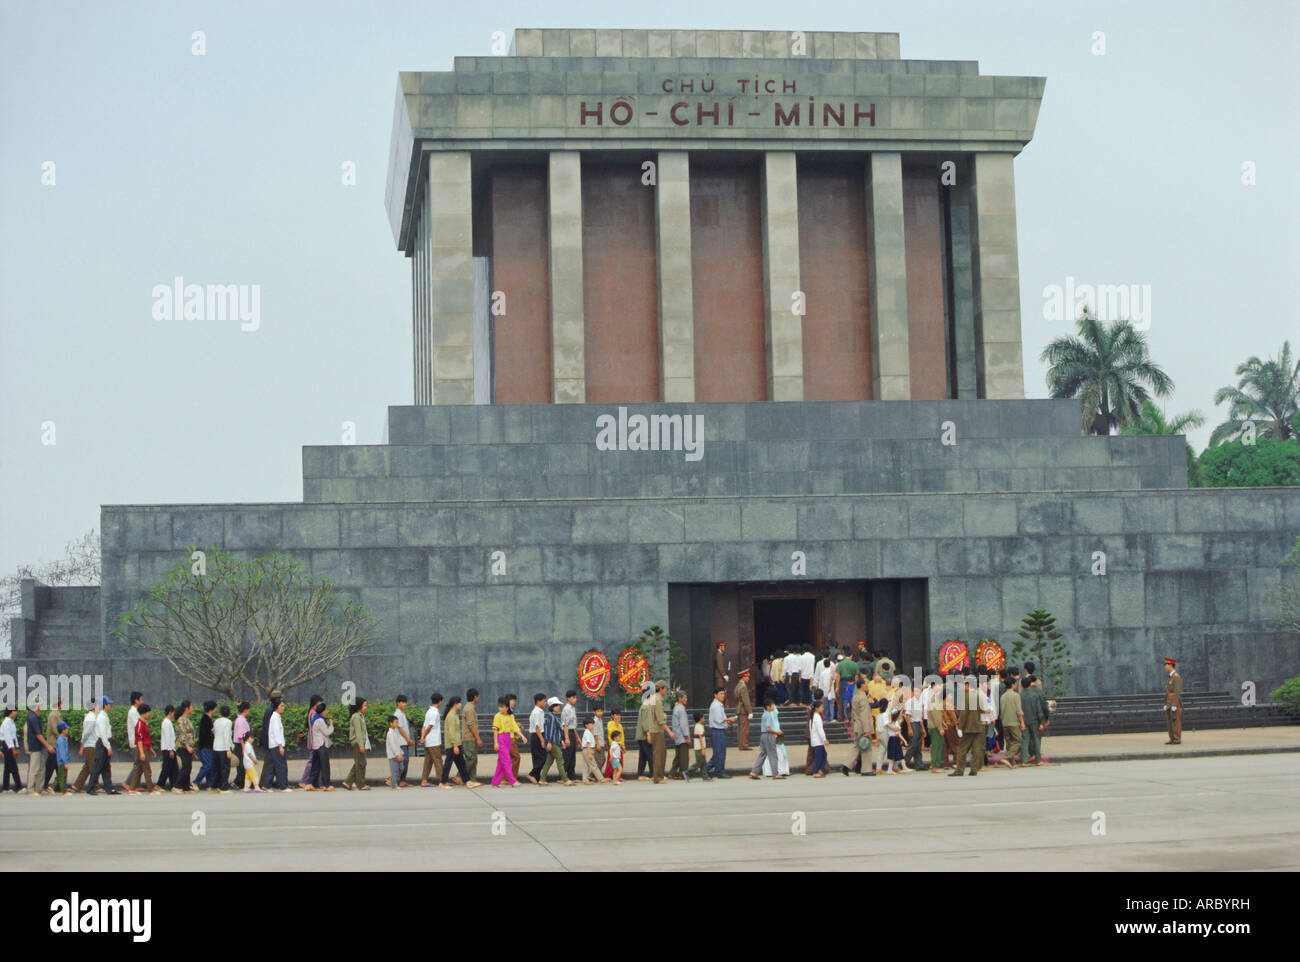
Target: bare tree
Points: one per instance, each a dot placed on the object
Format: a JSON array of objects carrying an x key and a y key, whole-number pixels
[
  {"x": 78, "y": 566},
  {"x": 197, "y": 621},
  {"x": 261, "y": 623},
  {"x": 301, "y": 626}
]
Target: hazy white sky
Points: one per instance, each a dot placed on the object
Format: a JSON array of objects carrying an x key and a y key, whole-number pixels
[{"x": 225, "y": 168}]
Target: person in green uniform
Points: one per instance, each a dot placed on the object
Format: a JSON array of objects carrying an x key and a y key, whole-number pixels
[
  {"x": 359, "y": 738},
  {"x": 847, "y": 669},
  {"x": 1174, "y": 703},
  {"x": 720, "y": 664},
  {"x": 971, "y": 727},
  {"x": 1034, "y": 704},
  {"x": 744, "y": 708},
  {"x": 1012, "y": 714}
]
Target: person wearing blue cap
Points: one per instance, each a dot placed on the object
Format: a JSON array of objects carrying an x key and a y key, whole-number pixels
[
  {"x": 61, "y": 759},
  {"x": 103, "y": 771}
]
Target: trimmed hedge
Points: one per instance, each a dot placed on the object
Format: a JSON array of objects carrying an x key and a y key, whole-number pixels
[{"x": 295, "y": 722}]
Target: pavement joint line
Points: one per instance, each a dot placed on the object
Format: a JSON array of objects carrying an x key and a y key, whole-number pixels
[{"x": 509, "y": 821}]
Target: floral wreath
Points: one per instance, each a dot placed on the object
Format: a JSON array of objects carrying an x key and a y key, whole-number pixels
[
  {"x": 594, "y": 672},
  {"x": 990, "y": 655},
  {"x": 953, "y": 656},
  {"x": 633, "y": 669}
]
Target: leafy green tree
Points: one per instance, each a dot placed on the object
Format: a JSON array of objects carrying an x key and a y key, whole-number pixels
[
  {"x": 1267, "y": 395},
  {"x": 1265, "y": 463},
  {"x": 1108, "y": 368},
  {"x": 1043, "y": 645}
]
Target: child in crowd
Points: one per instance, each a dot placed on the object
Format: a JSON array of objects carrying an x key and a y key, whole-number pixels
[
  {"x": 395, "y": 750},
  {"x": 598, "y": 730},
  {"x": 589, "y": 754},
  {"x": 817, "y": 739},
  {"x": 504, "y": 732},
  {"x": 616, "y": 752},
  {"x": 615, "y": 726},
  {"x": 896, "y": 744},
  {"x": 61, "y": 760},
  {"x": 701, "y": 766},
  {"x": 249, "y": 757},
  {"x": 880, "y": 737}
]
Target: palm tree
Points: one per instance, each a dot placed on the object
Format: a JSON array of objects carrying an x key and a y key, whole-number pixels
[
  {"x": 1151, "y": 420},
  {"x": 1267, "y": 395},
  {"x": 1108, "y": 369}
]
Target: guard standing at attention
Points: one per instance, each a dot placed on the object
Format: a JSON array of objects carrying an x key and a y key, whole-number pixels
[
  {"x": 744, "y": 707},
  {"x": 1174, "y": 703},
  {"x": 720, "y": 664}
]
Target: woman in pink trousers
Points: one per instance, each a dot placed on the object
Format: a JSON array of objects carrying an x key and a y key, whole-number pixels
[{"x": 505, "y": 729}]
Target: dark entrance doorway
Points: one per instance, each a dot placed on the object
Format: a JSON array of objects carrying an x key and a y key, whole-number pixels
[{"x": 784, "y": 624}]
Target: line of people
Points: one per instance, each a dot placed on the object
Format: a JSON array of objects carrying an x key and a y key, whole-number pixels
[{"x": 999, "y": 720}]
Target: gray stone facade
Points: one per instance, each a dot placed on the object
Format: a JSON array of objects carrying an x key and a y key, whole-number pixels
[{"x": 1188, "y": 571}]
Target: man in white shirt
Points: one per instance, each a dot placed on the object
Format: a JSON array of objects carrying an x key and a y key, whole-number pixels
[
  {"x": 103, "y": 770},
  {"x": 132, "y": 716},
  {"x": 431, "y": 736},
  {"x": 537, "y": 736},
  {"x": 277, "y": 766},
  {"x": 167, "y": 744},
  {"x": 9, "y": 745},
  {"x": 88, "y": 740},
  {"x": 404, "y": 726},
  {"x": 807, "y": 665},
  {"x": 933, "y": 699},
  {"x": 222, "y": 745},
  {"x": 914, "y": 708}
]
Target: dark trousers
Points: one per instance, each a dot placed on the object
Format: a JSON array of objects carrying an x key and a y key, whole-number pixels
[
  {"x": 537, "y": 748},
  {"x": 186, "y": 760},
  {"x": 103, "y": 770},
  {"x": 220, "y": 769},
  {"x": 320, "y": 767},
  {"x": 275, "y": 773},
  {"x": 718, "y": 742},
  {"x": 50, "y": 768},
  {"x": 456, "y": 758},
  {"x": 167, "y": 774},
  {"x": 571, "y": 756},
  {"x": 915, "y": 747},
  {"x": 11, "y": 770},
  {"x": 645, "y": 761},
  {"x": 238, "y": 781}
]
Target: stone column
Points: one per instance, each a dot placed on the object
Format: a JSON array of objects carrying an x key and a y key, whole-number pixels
[
  {"x": 996, "y": 272},
  {"x": 783, "y": 328},
  {"x": 963, "y": 285},
  {"x": 564, "y": 223},
  {"x": 887, "y": 275},
  {"x": 676, "y": 309},
  {"x": 451, "y": 277}
]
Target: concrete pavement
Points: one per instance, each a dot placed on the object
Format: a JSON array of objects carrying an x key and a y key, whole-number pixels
[{"x": 1180, "y": 814}]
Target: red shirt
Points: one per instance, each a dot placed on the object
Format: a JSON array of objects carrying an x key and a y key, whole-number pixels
[{"x": 142, "y": 735}]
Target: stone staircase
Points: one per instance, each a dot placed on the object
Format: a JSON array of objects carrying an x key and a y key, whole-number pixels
[{"x": 1114, "y": 714}]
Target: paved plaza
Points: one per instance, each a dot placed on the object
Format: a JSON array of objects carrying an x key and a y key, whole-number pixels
[{"x": 1224, "y": 813}]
